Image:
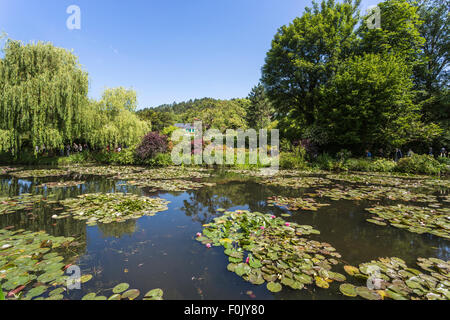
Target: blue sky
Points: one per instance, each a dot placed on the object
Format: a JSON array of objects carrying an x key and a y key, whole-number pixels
[{"x": 166, "y": 50}]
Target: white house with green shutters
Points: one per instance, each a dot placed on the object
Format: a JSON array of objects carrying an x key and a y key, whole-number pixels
[{"x": 190, "y": 129}]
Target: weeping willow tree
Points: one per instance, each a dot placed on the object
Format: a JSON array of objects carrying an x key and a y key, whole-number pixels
[
  {"x": 112, "y": 120},
  {"x": 43, "y": 92}
]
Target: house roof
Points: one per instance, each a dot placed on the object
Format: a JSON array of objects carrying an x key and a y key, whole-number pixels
[{"x": 184, "y": 126}]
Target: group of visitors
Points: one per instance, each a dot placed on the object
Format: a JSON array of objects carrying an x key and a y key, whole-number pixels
[
  {"x": 76, "y": 148},
  {"x": 398, "y": 154}
]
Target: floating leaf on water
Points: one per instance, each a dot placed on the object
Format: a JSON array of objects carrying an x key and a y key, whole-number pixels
[
  {"x": 348, "y": 290},
  {"x": 85, "y": 278},
  {"x": 274, "y": 287},
  {"x": 121, "y": 288},
  {"x": 351, "y": 270},
  {"x": 155, "y": 294},
  {"x": 89, "y": 296},
  {"x": 131, "y": 294}
]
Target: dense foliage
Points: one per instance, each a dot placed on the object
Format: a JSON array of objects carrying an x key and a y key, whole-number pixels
[
  {"x": 152, "y": 144},
  {"x": 43, "y": 92},
  {"x": 44, "y": 104},
  {"x": 333, "y": 80}
]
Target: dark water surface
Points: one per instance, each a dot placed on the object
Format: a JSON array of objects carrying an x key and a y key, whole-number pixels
[{"x": 161, "y": 251}]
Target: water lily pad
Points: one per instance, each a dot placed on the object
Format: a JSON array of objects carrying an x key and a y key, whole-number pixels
[
  {"x": 121, "y": 288},
  {"x": 131, "y": 294},
  {"x": 348, "y": 290},
  {"x": 35, "y": 292},
  {"x": 89, "y": 296},
  {"x": 85, "y": 278},
  {"x": 274, "y": 287},
  {"x": 155, "y": 294}
]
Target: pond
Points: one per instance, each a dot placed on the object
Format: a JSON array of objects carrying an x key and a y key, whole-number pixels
[{"x": 161, "y": 249}]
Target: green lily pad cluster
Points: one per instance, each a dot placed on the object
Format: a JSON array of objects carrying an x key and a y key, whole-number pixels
[
  {"x": 31, "y": 263},
  {"x": 415, "y": 219},
  {"x": 113, "y": 207},
  {"x": 295, "y": 204},
  {"x": 122, "y": 292},
  {"x": 438, "y": 183},
  {"x": 61, "y": 184},
  {"x": 5, "y": 169},
  {"x": 170, "y": 185},
  {"x": 105, "y": 170},
  {"x": 275, "y": 251},
  {"x": 25, "y": 201},
  {"x": 41, "y": 173},
  {"x": 165, "y": 173},
  {"x": 446, "y": 198},
  {"x": 296, "y": 182},
  {"x": 373, "y": 192},
  {"x": 392, "y": 278},
  {"x": 379, "y": 180}
]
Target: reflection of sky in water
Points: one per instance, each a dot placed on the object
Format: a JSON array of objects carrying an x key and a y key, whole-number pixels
[
  {"x": 161, "y": 251},
  {"x": 24, "y": 185}
]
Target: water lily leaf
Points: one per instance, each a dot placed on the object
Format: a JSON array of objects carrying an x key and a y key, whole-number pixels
[
  {"x": 155, "y": 294},
  {"x": 351, "y": 270},
  {"x": 131, "y": 294},
  {"x": 121, "y": 288},
  {"x": 368, "y": 294},
  {"x": 274, "y": 287},
  {"x": 35, "y": 292},
  {"x": 322, "y": 283},
  {"x": 348, "y": 289},
  {"x": 85, "y": 278},
  {"x": 89, "y": 296}
]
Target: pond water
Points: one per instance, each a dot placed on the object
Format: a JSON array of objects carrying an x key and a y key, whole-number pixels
[{"x": 161, "y": 251}]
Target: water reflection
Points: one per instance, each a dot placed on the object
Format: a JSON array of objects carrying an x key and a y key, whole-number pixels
[{"x": 161, "y": 251}]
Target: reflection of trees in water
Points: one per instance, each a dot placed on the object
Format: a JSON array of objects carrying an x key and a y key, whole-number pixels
[
  {"x": 342, "y": 224},
  {"x": 117, "y": 229},
  {"x": 13, "y": 186},
  {"x": 40, "y": 219},
  {"x": 203, "y": 203}
]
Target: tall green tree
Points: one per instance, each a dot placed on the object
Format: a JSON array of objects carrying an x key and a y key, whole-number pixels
[
  {"x": 432, "y": 74},
  {"x": 305, "y": 55},
  {"x": 370, "y": 104},
  {"x": 112, "y": 120},
  {"x": 117, "y": 99},
  {"x": 42, "y": 93},
  {"x": 399, "y": 33},
  {"x": 259, "y": 110}
]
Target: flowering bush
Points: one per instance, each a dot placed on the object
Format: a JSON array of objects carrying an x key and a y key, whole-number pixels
[{"x": 152, "y": 144}]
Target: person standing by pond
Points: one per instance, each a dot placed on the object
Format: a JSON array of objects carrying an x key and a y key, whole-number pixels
[
  {"x": 430, "y": 152},
  {"x": 381, "y": 153},
  {"x": 443, "y": 153},
  {"x": 410, "y": 153},
  {"x": 398, "y": 154},
  {"x": 368, "y": 155}
]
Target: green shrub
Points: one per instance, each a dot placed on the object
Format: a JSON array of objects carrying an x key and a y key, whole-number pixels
[
  {"x": 75, "y": 158},
  {"x": 358, "y": 164},
  {"x": 344, "y": 154},
  {"x": 325, "y": 162},
  {"x": 124, "y": 157},
  {"x": 444, "y": 160},
  {"x": 420, "y": 164},
  {"x": 382, "y": 165},
  {"x": 291, "y": 160},
  {"x": 160, "y": 160}
]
